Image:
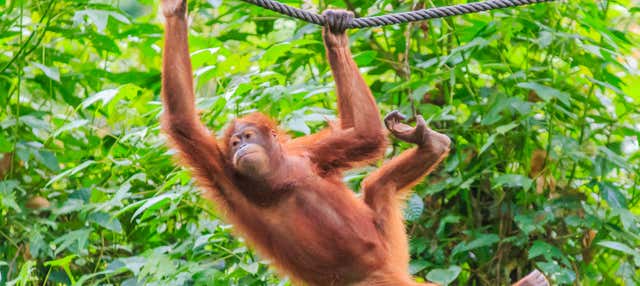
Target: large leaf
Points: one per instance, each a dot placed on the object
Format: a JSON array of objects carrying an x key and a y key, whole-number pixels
[
  {"x": 547, "y": 93},
  {"x": 154, "y": 202},
  {"x": 105, "y": 220},
  {"x": 444, "y": 276},
  {"x": 414, "y": 208},
  {"x": 70, "y": 172}
]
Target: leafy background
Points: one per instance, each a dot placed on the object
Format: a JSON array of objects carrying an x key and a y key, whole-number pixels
[{"x": 542, "y": 103}]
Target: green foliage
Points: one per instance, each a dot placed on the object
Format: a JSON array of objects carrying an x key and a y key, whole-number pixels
[{"x": 541, "y": 101}]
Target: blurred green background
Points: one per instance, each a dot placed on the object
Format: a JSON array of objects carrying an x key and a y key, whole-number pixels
[{"x": 542, "y": 103}]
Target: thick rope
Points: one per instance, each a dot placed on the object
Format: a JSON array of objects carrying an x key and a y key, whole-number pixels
[{"x": 397, "y": 18}]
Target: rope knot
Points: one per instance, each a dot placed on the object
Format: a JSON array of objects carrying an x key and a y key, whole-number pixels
[{"x": 337, "y": 21}]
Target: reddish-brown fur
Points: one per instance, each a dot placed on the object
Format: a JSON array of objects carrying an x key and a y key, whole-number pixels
[{"x": 302, "y": 217}]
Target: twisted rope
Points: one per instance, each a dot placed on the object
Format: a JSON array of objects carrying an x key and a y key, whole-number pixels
[{"x": 397, "y": 18}]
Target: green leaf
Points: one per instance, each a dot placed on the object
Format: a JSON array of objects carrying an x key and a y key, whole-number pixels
[
  {"x": 69, "y": 206},
  {"x": 215, "y": 3},
  {"x": 163, "y": 198},
  {"x": 416, "y": 266},
  {"x": 251, "y": 268},
  {"x": 25, "y": 273},
  {"x": 449, "y": 219},
  {"x": 364, "y": 58},
  {"x": 51, "y": 72},
  {"x": 529, "y": 222},
  {"x": 549, "y": 252},
  {"x": 512, "y": 180},
  {"x": 62, "y": 262},
  {"x": 202, "y": 240},
  {"x": 134, "y": 263},
  {"x": 627, "y": 218},
  {"x": 38, "y": 247},
  {"x": 559, "y": 274},
  {"x": 105, "y": 96},
  {"x": 105, "y": 220},
  {"x": 628, "y": 273},
  {"x": 272, "y": 54},
  {"x": 611, "y": 193},
  {"x": 100, "y": 17},
  {"x": 482, "y": 240},
  {"x": 7, "y": 195},
  {"x": 545, "y": 39},
  {"x": 547, "y": 93},
  {"x": 444, "y": 276},
  {"x": 5, "y": 145},
  {"x": 494, "y": 114},
  {"x": 414, "y": 208},
  {"x": 614, "y": 158},
  {"x": 48, "y": 159},
  {"x": 70, "y": 126},
  {"x": 298, "y": 124},
  {"x": 487, "y": 144},
  {"x": 506, "y": 128},
  {"x": 619, "y": 246},
  {"x": 35, "y": 122},
  {"x": 70, "y": 172},
  {"x": 541, "y": 248},
  {"x": 74, "y": 241}
]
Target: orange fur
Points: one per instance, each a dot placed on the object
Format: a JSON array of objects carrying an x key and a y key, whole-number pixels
[
  {"x": 260, "y": 120},
  {"x": 301, "y": 216}
]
